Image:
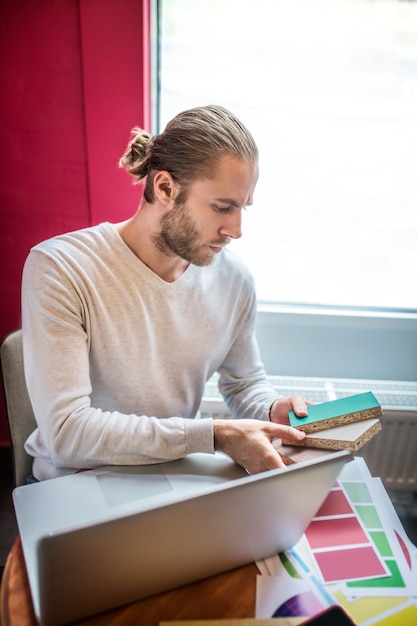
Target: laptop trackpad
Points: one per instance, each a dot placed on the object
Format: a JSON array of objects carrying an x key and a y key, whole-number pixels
[{"x": 121, "y": 485}]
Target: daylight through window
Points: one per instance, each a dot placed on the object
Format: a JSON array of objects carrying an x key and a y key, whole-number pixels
[{"x": 329, "y": 90}]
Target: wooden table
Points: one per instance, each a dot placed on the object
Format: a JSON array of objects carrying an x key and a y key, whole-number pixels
[{"x": 228, "y": 595}]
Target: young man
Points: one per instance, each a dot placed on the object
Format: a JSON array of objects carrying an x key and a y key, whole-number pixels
[{"x": 124, "y": 323}]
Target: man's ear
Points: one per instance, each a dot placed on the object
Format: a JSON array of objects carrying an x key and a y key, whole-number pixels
[{"x": 164, "y": 186}]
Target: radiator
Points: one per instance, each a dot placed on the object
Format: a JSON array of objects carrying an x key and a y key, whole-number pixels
[{"x": 391, "y": 455}]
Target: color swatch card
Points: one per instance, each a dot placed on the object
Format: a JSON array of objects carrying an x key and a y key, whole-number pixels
[
  {"x": 287, "y": 594},
  {"x": 374, "y": 508},
  {"x": 376, "y": 517},
  {"x": 380, "y": 584},
  {"x": 294, "y": 591},
  {"x": 340, "y": 545}
]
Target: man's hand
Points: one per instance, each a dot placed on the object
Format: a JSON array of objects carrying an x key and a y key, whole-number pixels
[
  {"x": 249, "y": 442},
  {"x": 280, "y": 408}
]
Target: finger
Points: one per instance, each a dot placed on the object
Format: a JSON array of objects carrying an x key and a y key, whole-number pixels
[
  {"x": 292, "y": 434},
  {"x": 284, "y": 432},
  {"x": 299, "y": 405}
]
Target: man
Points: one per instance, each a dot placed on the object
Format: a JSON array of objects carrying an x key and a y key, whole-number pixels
[{"x": 124, "y": 323}]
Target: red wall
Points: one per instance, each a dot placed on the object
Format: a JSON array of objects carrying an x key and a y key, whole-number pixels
[{"x": 74, "y": 80}]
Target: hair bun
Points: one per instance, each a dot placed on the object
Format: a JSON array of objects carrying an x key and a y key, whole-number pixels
[{"x": 135, "y": 160}]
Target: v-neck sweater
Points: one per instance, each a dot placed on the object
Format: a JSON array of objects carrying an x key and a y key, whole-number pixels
[{"x": 116, "y": 359}]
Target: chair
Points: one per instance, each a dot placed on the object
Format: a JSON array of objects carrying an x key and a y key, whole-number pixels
[{"x": 20, "y": 417}]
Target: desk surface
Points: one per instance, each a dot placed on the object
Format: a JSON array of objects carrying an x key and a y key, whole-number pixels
[{"x": 228, "y": 595}]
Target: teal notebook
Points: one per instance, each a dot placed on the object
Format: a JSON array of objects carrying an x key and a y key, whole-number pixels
[{"x": 334, "y": 413}]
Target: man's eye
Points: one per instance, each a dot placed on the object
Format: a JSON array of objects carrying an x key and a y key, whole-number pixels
[{"x": 221, "y": 209}]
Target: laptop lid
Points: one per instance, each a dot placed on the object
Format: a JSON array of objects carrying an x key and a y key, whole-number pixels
[{"x": 103, "y": 538}]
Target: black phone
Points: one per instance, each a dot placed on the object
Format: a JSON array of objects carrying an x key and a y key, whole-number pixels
[{"x": 333, "y": 616}]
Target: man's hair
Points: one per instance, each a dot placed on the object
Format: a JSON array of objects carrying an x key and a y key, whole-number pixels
[{"x": 189, "y": 147}]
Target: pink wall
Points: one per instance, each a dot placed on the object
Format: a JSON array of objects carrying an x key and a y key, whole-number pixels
[{"x": 74, "y": 80}]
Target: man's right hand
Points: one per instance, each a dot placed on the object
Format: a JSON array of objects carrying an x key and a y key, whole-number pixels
[{"x": 249, "y": 442}]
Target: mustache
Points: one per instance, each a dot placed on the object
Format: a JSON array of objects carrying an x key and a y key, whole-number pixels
[{"x": 221, "y": 242}]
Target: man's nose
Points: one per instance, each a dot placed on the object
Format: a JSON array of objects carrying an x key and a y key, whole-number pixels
[{"x": 233, "y": 227}]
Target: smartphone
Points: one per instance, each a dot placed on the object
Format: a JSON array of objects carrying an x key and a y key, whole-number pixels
[{"x": 333, "y": 616}]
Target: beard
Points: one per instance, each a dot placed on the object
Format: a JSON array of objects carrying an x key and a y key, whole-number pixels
[{"x": 178, "y": 235}]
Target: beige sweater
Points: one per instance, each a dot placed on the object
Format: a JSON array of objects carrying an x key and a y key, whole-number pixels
[{"x": 116, "y": 358}]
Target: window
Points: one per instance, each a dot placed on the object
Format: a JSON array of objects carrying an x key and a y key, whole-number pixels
[{"x": 329, "y": 90}]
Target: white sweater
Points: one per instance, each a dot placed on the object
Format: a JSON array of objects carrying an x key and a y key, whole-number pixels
[{"x": 116, "y": 358}]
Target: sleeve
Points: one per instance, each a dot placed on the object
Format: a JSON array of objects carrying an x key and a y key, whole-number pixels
[
  {"x": 243, "y": 382},
  {"x": 73, "y": 433}
]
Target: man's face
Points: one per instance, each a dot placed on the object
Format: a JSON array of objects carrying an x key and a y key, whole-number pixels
[{"x": 198, "y": 227}]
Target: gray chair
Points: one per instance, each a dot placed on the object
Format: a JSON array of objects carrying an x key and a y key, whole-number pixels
[{"x": 20, "y": 418}]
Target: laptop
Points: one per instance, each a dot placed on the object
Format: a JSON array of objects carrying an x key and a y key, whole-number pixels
[{"x": 99, "y": 539}]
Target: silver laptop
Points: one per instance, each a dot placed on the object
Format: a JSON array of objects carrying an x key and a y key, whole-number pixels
[{"x": 100, "y": 539}]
